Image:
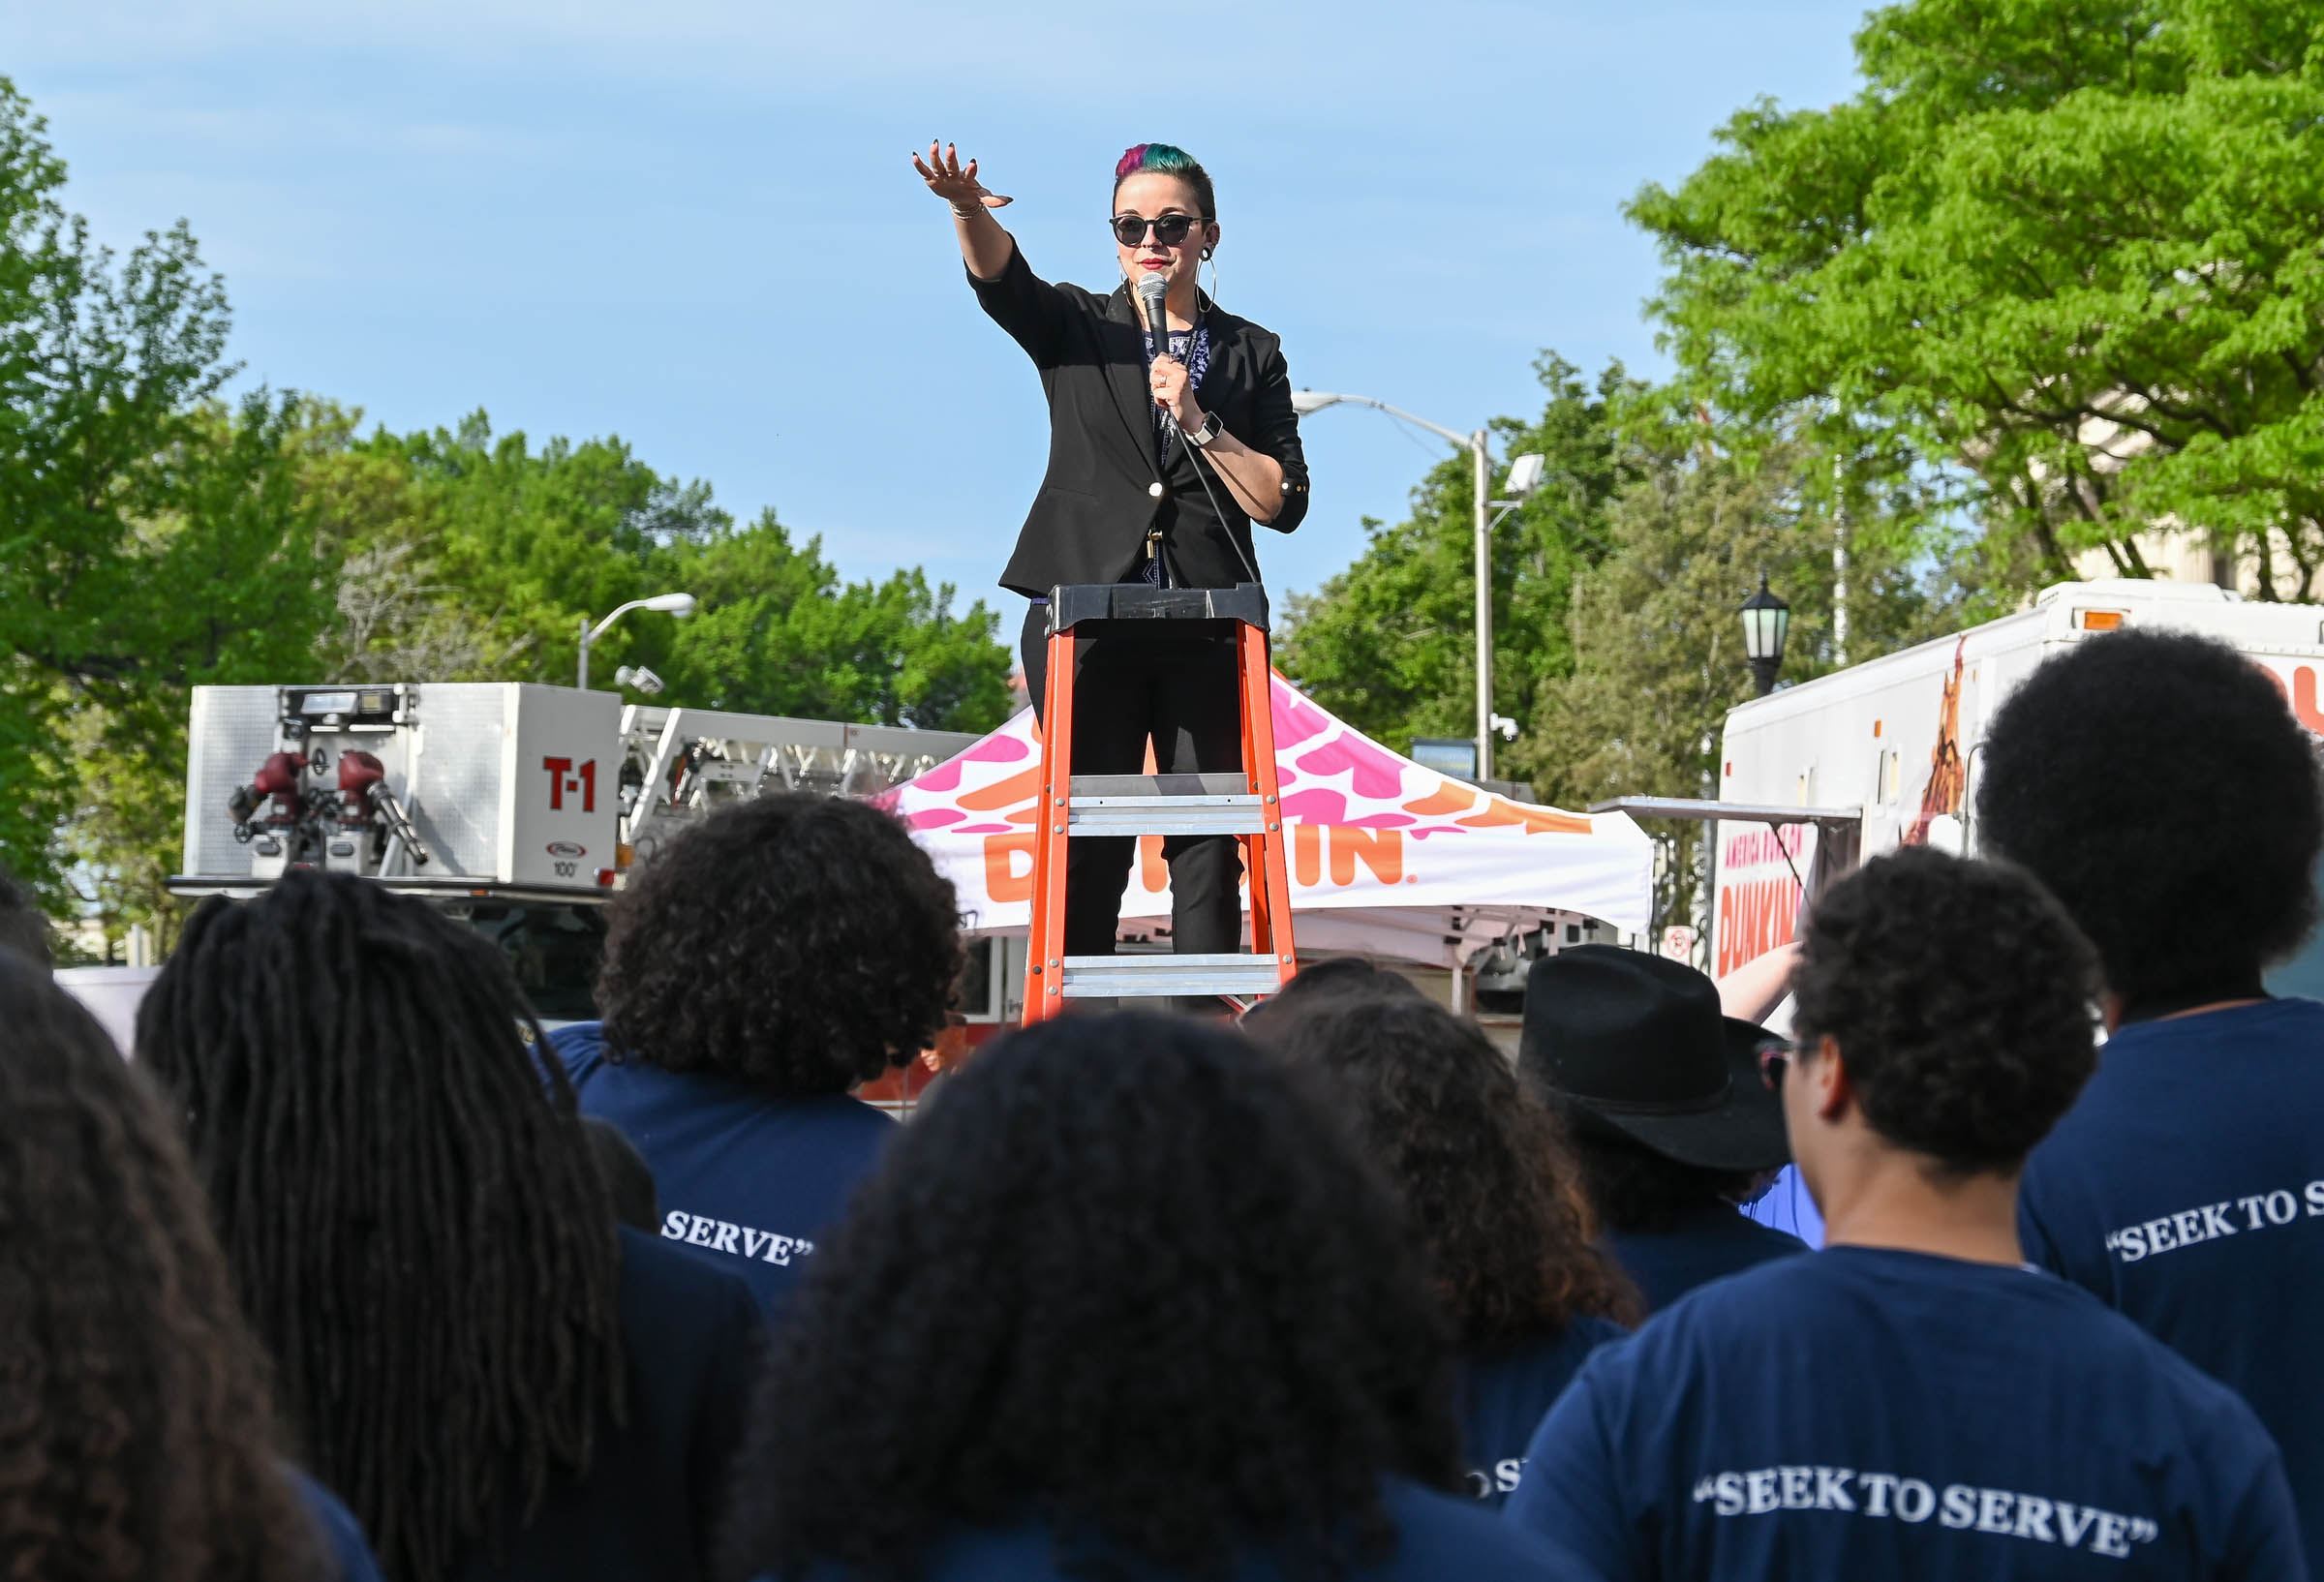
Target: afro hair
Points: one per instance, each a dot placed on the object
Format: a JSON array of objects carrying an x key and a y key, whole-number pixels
[
  {"x": 797, "y": 942},
  {"x": 1126, "y": 1274},
  {"x": 2158, "y": 785}
]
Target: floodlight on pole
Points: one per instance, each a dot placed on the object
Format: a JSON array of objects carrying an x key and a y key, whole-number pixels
[
  {"x": 1524, "y": 477},
  {"x": 676, "y": 605}
]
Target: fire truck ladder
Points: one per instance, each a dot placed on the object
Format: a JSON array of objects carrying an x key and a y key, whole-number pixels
[
  {"x": 1244, "y": 804},
  {"x": 679, "y": 763}
]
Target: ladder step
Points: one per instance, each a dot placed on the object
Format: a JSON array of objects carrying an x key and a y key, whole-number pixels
[
  {"x": 1227, "y": 783},
  {"x": 1122, "y": 975},
  {"x": 1165, "y": 815},
  {"x": 1239, "y": 804}
]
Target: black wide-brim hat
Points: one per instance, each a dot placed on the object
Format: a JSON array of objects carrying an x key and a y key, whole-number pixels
[{"x": 1639, "y": 1043}]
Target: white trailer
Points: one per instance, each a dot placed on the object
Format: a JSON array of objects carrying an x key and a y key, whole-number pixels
[{"x": 1815, "y": 777}]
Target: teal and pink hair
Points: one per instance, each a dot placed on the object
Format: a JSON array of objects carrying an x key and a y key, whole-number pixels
[{"x": 1169, "y": 161}]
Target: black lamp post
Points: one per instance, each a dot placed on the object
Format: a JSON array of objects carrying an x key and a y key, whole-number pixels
[{"x": 1766, "y": 622}]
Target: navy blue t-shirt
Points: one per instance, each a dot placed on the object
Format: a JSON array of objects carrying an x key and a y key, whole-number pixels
[
  {"x": 1707, "y": 1243},
  {"x": 2185, "y": 1190},
  {"x": 651, "y": 1504},
  {"x": 749, "y": 1179},
  {"x": 1439, "y": 1538},
  {"x": 1505, "y": 1393},
  {"x": 345, "y": 1549},
  {"x": 1869, "y": 1413}
]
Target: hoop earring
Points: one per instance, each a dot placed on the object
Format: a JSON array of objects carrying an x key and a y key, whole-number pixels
[{"x": 1213, "y": 263}]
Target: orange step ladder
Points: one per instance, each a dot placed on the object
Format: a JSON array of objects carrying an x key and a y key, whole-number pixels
[{"x": 1244, "y": 804}]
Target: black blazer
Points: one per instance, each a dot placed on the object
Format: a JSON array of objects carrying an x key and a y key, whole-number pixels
[{"x": 1089, "y": 521}]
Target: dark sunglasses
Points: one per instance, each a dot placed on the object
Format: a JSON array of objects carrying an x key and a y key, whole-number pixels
[
  {"x": 1774, "y": 1061},
  {"x": 1129, "y": 229}
]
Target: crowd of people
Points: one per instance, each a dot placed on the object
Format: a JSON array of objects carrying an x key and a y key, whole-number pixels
[{"x": 357, "y": 1271}]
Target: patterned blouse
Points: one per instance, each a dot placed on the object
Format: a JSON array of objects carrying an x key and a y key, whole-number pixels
[
  {"x": 1197, "y": 363},
  {"x": 1197, "y": 358}
]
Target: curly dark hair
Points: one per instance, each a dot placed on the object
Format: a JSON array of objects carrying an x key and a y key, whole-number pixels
[
  {"x": 1480, "y": 1164},
  {"x": 137, "y": 1443},
  {"x": 1333, "y": 981},
  {"x": 23, "y": 925},
  {"x": 2160, "y": 786},
  {"x": 803, "y": 943},
  {"x": 1168, "y": 1303},
  {"x": 1960, "y": 996},
  {"x": 408, "y": 1205},
  {"x": 1631, "y": 1187}
]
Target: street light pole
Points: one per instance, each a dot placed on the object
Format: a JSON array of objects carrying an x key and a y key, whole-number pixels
[
  {"x": 679, "y": 605},
  {"x": 1304, "y": 402},
  {"x": 1485, "y": 605}
]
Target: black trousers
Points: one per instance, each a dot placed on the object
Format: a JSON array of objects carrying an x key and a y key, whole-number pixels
[{"x": 1179, "y": 689}]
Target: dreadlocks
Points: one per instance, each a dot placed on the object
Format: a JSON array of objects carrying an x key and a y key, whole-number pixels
[
  {"x": 408, "y": 1204},
  {"x": 136, "y": 1444}
]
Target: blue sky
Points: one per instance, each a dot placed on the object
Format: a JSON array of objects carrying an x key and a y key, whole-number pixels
[{"x": 693, "y": 224}]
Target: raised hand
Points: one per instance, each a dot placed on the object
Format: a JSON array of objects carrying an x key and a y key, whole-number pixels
[{"x": 954, "y": 182}]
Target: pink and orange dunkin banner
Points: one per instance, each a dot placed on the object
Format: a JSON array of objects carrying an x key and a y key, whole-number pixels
[{"x": 1388, "y": 856}]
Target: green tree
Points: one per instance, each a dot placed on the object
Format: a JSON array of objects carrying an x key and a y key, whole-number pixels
[
  {"x": 234, "y": 591},
  {"x": 149, "y": 539},
  {"x": 1656, "y": 642},
  {"x": 779, "y": 633},
  {"x": 2066, "y": 252},
  {"x": 155, "y": 537},
  {"x": 466, "y": 556},
  {"x": 480, "y": 555},
  {"x": 1389, "y": 644}
]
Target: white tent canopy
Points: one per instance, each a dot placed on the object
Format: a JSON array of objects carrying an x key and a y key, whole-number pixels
[{"x": 1388, "y": 858}]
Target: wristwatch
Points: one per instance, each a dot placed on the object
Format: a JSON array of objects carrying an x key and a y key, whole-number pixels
[{"x": 1210, "y": 430}]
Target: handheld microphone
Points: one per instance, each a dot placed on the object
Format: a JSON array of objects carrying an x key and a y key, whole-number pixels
[{"x": 1153, "y": 291}]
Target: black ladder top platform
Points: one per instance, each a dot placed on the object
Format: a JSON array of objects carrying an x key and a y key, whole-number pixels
[{"x": 1071, "y": 604}]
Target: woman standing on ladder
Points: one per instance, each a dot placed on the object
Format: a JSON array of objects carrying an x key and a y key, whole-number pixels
[{"x": 1127, "y": 500}]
